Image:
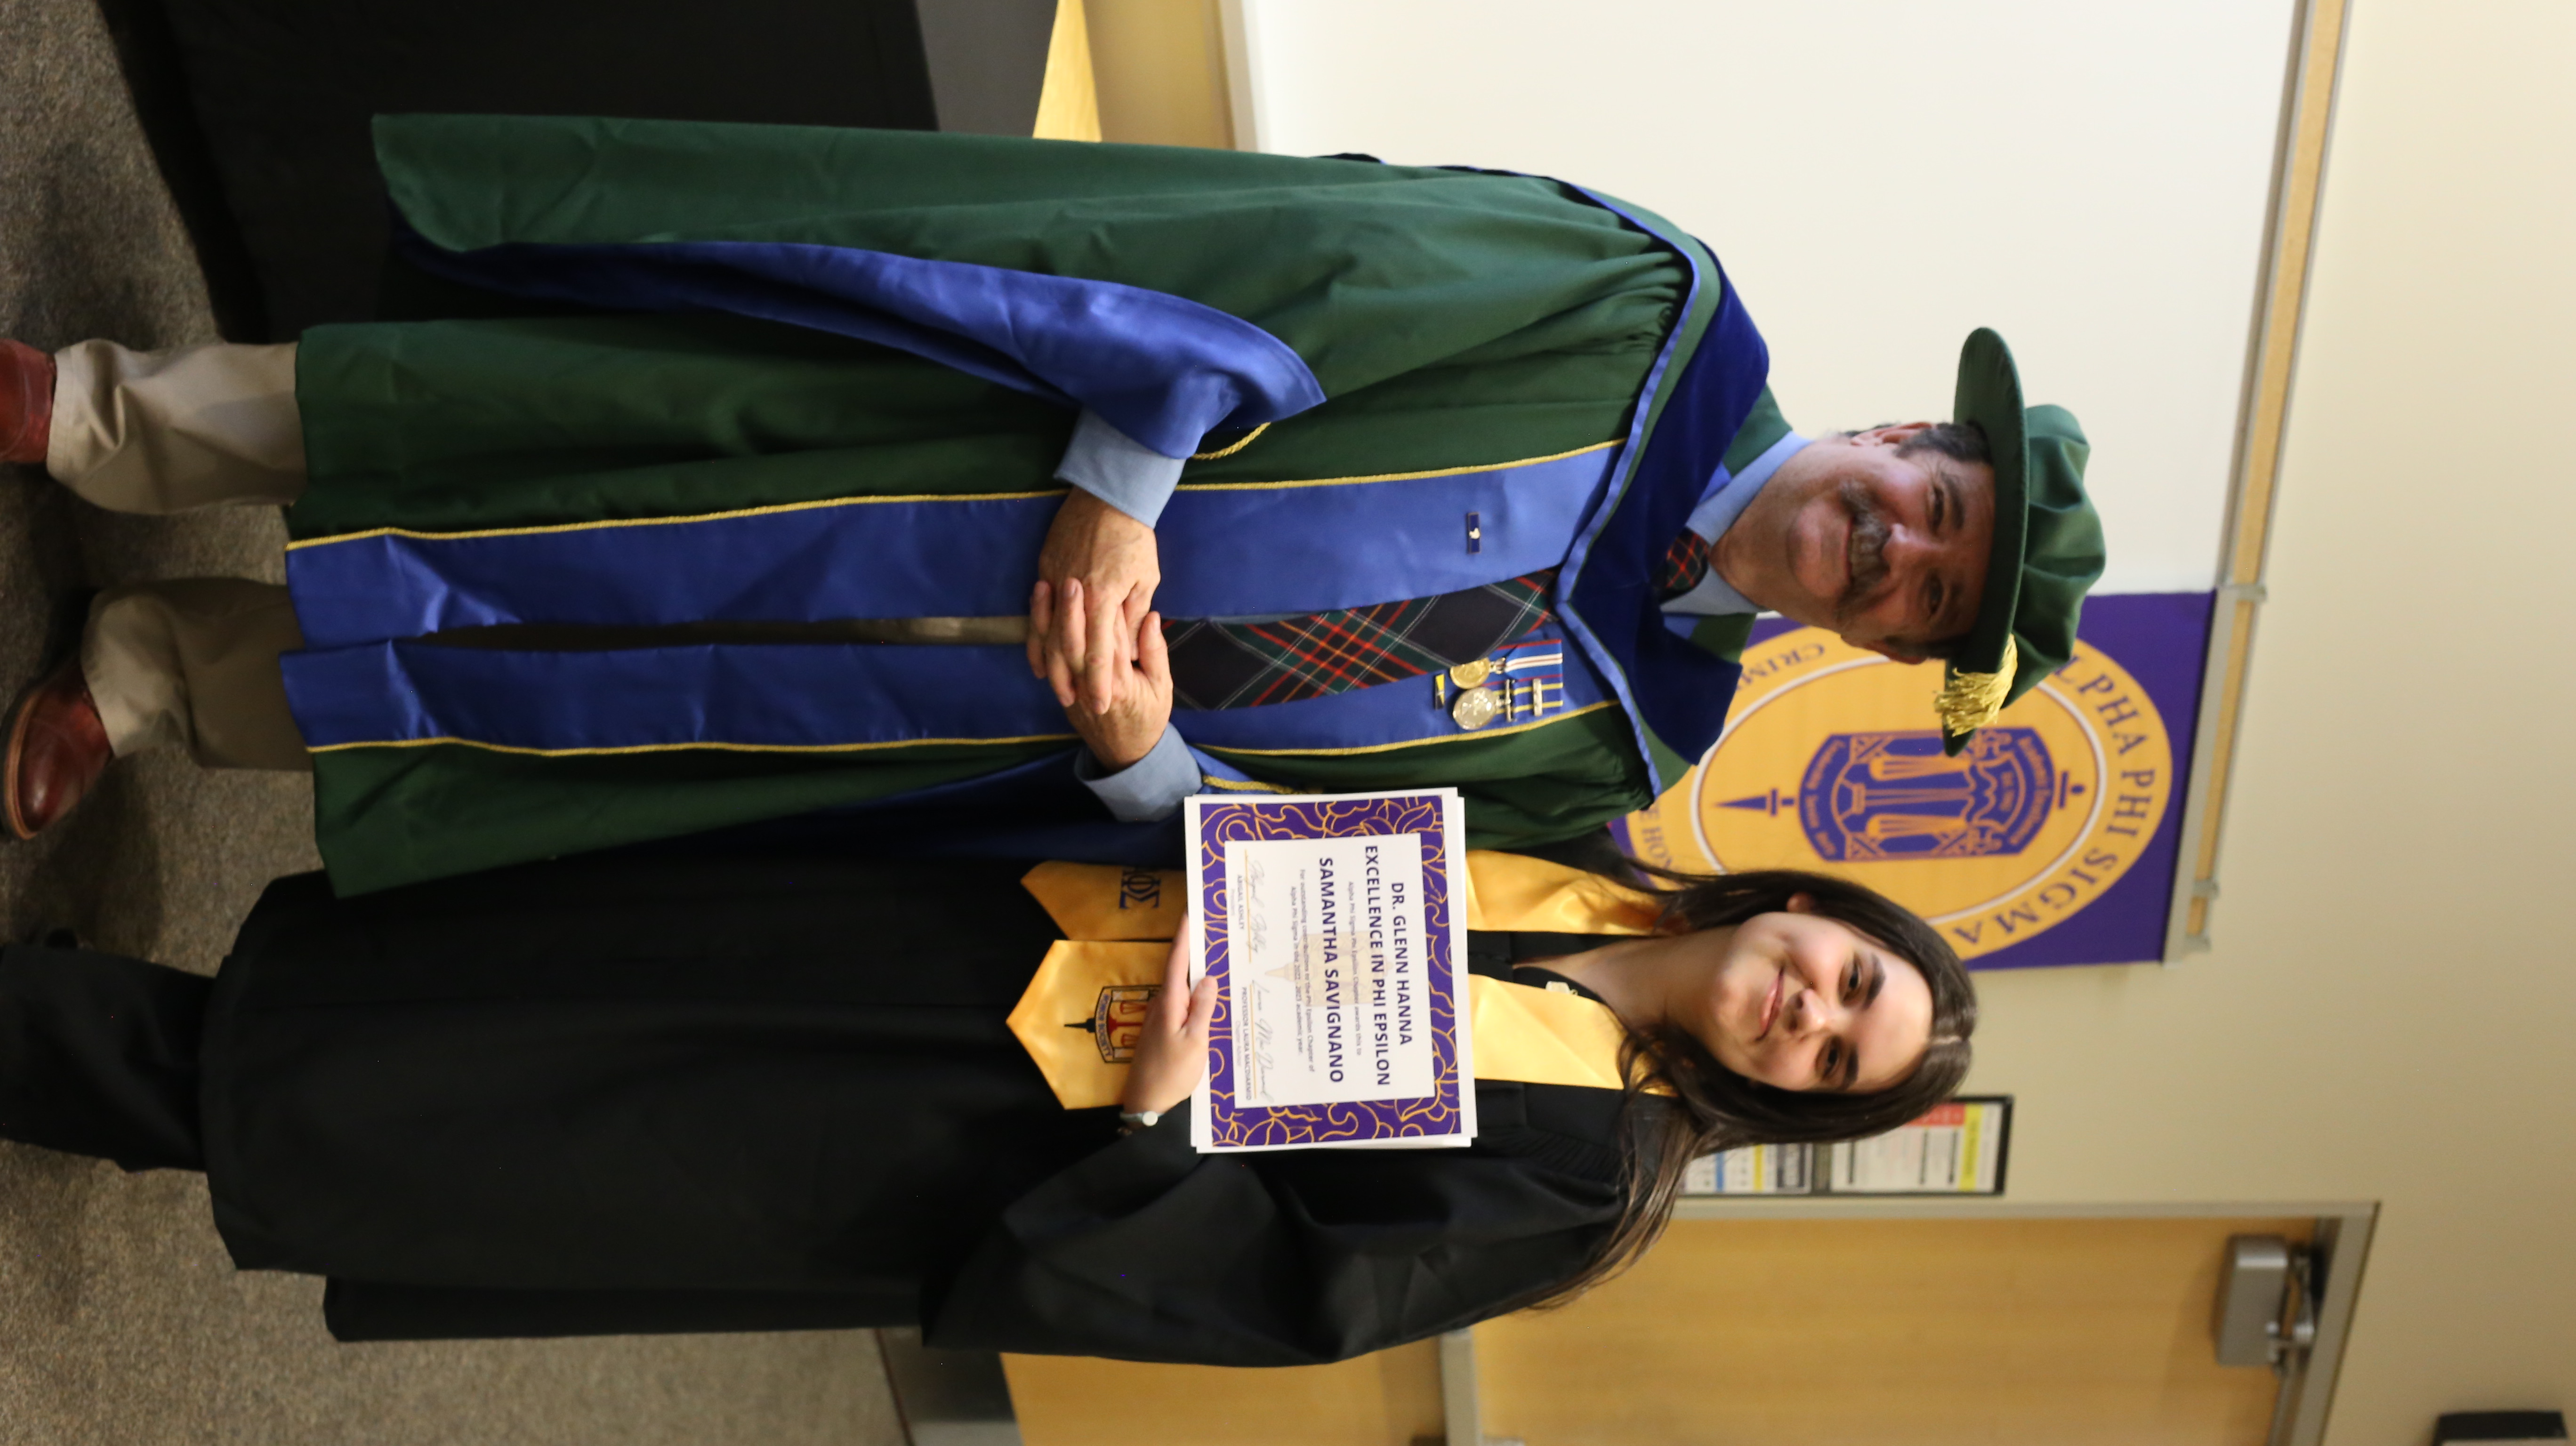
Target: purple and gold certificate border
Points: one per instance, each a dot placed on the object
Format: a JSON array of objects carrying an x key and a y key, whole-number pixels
[{"x": 1440, "y": 1114}]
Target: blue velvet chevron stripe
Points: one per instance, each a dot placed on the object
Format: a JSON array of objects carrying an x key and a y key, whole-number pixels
[
  {"x": 1608, "y": 588},
  {"x": 769, "y": 697},
  {"x": 1228, "y": 551},
  {"x": 1163, "y": 369},
  {"x": 749, "y": 696}
]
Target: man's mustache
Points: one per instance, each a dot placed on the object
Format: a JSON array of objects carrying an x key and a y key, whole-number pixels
[{"x": 1866, "y": 557}]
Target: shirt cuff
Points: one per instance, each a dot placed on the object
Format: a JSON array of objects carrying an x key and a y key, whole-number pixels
[
  {"x": 1150, "y": 788},
  {"x": 1120, "y": 471}
]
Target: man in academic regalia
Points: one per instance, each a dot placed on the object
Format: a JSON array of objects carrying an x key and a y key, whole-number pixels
[{"x": 722, "y": 488}]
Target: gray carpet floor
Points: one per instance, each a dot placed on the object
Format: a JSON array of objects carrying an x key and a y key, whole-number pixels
[{"x": 120, "y": 1319}]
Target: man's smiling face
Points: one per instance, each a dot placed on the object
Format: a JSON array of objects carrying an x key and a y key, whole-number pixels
[{"x": 1882, "y": 542}]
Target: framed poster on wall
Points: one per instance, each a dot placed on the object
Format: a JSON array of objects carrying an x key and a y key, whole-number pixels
[{"x": 1961, "y": 1148}]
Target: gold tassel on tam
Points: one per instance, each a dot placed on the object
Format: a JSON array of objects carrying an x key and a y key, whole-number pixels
[{"x": 1970, "y": 701}]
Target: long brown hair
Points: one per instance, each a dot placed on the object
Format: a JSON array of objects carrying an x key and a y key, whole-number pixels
[{"x": 1713, "y": 1108}]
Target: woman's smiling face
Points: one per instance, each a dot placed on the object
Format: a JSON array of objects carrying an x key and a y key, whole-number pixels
[{"x": 1800, "y": 1002}]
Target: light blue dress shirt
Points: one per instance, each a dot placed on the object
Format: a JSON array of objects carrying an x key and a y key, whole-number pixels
[
  {"x": 1118, "y": 469},
  {"x": 1727, "y": 496},
  {"x": 1149, "y": 788}
]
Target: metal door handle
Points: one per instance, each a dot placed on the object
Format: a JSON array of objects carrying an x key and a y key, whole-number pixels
[{"x": 2267, "y": 1307}]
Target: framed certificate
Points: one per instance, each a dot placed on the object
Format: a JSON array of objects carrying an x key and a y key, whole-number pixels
[{"x": 1335, "y": 934}]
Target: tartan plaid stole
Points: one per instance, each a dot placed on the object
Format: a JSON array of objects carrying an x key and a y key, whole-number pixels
[
  {"x": 1246, "y": 664},
  {"x": 1685, "y": 564}
]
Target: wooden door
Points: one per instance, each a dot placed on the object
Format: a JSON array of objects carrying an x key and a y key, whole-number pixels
[
  {"x": 1771, "y": 1333},
  {"x": 1890, "y": 1333}
]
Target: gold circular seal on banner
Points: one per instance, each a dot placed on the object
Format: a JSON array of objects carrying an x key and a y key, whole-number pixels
[{"x": 1831, "y": 761}]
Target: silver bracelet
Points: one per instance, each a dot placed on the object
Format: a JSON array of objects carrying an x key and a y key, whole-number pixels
[{"x": 1130, "y": 1121}]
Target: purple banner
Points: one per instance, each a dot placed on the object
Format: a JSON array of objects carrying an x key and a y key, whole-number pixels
[{"x": 2052, "y": 839}]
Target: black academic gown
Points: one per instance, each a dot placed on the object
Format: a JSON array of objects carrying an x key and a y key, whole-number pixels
[{"x": 649, "y": 1094}]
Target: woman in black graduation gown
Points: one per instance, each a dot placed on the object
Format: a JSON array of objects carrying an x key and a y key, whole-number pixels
[{"x": 641, "y": 1094}]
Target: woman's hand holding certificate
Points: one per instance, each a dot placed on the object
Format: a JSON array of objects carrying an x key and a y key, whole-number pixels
[{"x": 1171, "y": 1055}]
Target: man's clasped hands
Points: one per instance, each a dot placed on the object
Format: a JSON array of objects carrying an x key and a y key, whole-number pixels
[{"x": 1093, "y": 634}]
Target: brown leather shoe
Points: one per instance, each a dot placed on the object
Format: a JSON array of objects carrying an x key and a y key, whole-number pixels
[
  {"x": 26, "y": 402},
  {"x": 57, "y": 750}
]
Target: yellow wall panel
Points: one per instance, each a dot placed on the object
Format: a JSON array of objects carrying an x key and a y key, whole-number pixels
[{"x": 1161, "y": 69}]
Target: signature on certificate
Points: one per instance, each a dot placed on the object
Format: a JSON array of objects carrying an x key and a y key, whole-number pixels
[{"x": 1251, "y": 925}]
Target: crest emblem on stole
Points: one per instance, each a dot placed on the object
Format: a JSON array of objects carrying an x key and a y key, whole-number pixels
[{"x": 1117, "y": 1019}]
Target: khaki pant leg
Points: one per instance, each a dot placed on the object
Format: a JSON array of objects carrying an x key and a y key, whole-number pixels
[
  {"x": 193, "y": 664},
  {"x": 173, "y": 431}
]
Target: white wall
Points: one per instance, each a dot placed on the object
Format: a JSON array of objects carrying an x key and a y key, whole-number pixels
[
  {"x": 2390, "y": 1013},
  {"x": 1880, "y": 177}
]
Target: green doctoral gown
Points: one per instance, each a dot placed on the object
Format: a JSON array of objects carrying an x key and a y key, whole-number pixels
[{"x": 1454, "y": 323}]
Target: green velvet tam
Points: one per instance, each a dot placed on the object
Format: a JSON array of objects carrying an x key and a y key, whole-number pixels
[{"x": 2047, "y": 549}]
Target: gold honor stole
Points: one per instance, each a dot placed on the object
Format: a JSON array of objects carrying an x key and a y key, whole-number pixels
[{"x": 1082, "y": 1014}]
